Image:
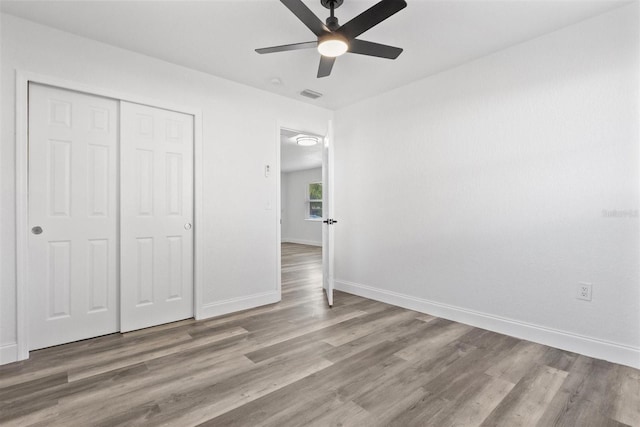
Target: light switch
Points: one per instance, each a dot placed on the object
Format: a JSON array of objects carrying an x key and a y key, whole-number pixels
[{"x": 267, "y": 171}]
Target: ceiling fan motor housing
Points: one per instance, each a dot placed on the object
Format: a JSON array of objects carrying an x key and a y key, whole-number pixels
[{"x": 332, "y": 23}]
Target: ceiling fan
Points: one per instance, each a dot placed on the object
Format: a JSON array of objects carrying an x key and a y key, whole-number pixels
[{"x": 334, "y": 39}]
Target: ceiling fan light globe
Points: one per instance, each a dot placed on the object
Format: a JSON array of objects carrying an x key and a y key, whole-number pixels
[{"x": 332, "y": 47}]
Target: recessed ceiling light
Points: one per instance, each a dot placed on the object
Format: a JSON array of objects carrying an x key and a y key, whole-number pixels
[
  {"x": 276, "y": 81},
  {"x": 306, "y": 141}
]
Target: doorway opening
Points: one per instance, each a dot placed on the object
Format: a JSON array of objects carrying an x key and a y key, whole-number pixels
[{"x": 302, "y": 210}]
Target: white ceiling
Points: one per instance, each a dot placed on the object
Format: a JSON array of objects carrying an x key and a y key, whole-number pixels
[
  {"x": 294, "y": 157},
  {"x": 219, "y": 37}
]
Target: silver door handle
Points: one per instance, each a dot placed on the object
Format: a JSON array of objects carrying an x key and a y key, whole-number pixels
[
  {"x": 187, "y": 226},
  {"x": 36, "y": 230}
]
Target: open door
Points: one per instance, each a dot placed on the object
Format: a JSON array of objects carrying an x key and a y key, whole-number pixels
[{"x": 327, "y": 215}]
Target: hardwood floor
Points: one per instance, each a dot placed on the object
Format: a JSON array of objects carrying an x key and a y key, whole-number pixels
[{"x": 299, "y": 363}]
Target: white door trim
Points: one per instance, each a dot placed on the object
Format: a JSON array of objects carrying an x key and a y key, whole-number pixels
[
  {"x": 22, "y": 207},
  {"x": 278, "y": 173}
]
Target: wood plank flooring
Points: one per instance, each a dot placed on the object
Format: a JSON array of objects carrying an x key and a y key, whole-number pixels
[{"x": 299, "y": 363}]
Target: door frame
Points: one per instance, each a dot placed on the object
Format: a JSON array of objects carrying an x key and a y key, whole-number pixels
[
  {"x": 23, "y": 78},
  {"x": 281, "y": 124}
]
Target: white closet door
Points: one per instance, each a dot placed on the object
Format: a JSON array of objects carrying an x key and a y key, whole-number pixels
[
  {"x": 73, "y": 140},
  {"x": 156, "y": 216}
]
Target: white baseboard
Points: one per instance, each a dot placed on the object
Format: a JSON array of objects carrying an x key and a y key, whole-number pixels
[
  {"x": 8, "y": 353},
  {"x": 238, "y": 304},
  {"x": 592, "y": 347},
  {"x": 301, "y": 242}
]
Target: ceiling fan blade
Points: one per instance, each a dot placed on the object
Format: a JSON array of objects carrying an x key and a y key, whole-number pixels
[
  {"x": 326, "y": 64},
  {"x": 374, "y": 49},
  {"x": 286, "y": 47},
  {"x": 306, "y": 16},
  {"x": 371, "y": 17}
]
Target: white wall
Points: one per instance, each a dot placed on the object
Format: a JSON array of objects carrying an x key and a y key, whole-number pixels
[
  {"x": 485, "y": 187},
  {"x": 240, "y": 135},
  {"x": 295, "y": 228}
]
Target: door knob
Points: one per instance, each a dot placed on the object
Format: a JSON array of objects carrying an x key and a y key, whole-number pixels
[
  {"x": 187, "y": 226},
  {"x": 36, "y": 230}
]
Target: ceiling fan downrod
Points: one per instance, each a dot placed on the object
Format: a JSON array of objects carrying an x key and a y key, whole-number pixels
[{"x": 332, "y": 21}]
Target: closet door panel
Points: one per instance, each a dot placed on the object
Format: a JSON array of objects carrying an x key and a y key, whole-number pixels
[
  {"x": 156, "y": 216},
  {"x": 72, "y": 266}
]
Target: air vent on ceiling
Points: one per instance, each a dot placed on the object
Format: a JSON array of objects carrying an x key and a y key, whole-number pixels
[{"x": 310, "y": 94}]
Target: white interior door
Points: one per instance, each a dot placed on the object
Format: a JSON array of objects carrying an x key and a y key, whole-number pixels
[
  {"x": 72, "y": 282},
  {"x": 327, "y": 214},
  {"x": 156, "y": 216}
]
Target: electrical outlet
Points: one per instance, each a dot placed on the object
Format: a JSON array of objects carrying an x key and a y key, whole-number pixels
[{"x": 584, "y": 291}]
